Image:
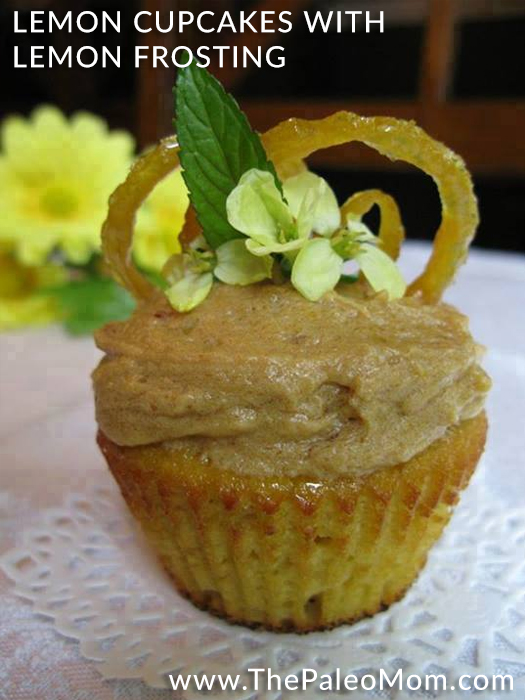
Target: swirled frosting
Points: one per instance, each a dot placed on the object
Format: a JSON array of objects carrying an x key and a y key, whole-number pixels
[{"x": 259, "y": 380}]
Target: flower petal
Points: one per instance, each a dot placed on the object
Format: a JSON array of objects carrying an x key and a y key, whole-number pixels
[
  {"x": 316, "y": 269},
  {"x": 255, "y": 207},
  {"x": 256, "y": 248},
  {"x": 381, "y": 271},
  {"x": 310, "y": 197},
  {"x": 56, "y": 175},
  {"x": 190, "y": 291},
  {"x": 360, "y": 229},
  {"x": 175, "y": 267},
  {"x": 236, "y": 265},
  {"x": 77, "y": 249},
  {"x": 32, "y": 250}
]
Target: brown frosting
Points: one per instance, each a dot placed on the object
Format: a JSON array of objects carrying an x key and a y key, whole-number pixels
[{"x": 260, "y": 380}]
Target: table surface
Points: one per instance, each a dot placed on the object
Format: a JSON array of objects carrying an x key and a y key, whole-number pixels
[{"x": 44, "y": 378}]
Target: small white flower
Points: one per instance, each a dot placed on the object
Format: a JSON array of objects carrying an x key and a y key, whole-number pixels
[
  {"x": 257, "y": 209},
  {"x": 380, "y": 270},
  {"x": 190, "y": 275},
  {"x": 285, "y": 225},
  {"x": 190, "y": 291},
  {"x": 313, "y": 202},
  {"x": 236, "y": 265},
  {"x": 302, "y": 225},
  {"x": 274, "y": 224},
  {"x": 190, "y": 279},
  {"x": 316, "y": 269}
]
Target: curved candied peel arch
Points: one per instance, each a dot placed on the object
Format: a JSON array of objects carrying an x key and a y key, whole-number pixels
[
  {"x": 391, "y": 230},
  {"x": 397, "y": 139},
  {"x": 119, "y": 227},
  {"x": 288, "y": 144}
]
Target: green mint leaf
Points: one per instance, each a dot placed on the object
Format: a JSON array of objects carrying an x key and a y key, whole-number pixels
[
  {"x": 217, "y": 147},
  {"x": 89, "y": 303}
]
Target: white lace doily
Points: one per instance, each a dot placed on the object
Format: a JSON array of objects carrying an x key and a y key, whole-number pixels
[{"x": 87, "y": 568}]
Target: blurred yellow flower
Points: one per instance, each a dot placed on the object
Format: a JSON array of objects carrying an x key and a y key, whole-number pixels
[
  {"x": 56, "y": 175},
  {"x": 159, "y": 223},
  {"x": 21, "y": 304}
]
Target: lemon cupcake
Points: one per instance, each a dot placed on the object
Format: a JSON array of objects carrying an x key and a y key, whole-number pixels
[{"x": 291, "y": 438}]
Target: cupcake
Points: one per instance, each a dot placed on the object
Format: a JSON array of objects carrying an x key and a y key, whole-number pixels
[{"x": 290, "y": 423}]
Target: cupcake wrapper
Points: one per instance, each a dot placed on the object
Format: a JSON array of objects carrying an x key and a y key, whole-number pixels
[{"x": 287, "y": 554}]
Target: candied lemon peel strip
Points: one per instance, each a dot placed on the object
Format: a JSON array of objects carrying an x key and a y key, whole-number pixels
[
  {"x": 288, "y": 144},
  {"x": 118, "y": 229},
  {"x": 396, "y": 139},
  {"x": 391, "y": 229}
]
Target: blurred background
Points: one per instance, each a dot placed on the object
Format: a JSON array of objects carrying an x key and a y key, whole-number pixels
[{"x": 455, "y": 66}]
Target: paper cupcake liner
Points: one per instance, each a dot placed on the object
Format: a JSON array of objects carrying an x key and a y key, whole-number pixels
[{"x": 288, "y": 554}]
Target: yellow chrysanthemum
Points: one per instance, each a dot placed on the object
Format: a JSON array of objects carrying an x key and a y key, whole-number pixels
[
  {"x": 21, "y": 304},
  {"x": 56, "y": 175},
  {"x": 159, "y": 223}
]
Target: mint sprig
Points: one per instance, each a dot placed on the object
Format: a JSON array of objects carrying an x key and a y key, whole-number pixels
[{"x": 217, "y": 147}]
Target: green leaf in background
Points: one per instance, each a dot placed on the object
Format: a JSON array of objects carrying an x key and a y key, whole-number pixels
[
  {"x": 90, "y": 303},
  {"x": 217, "y": 147}
]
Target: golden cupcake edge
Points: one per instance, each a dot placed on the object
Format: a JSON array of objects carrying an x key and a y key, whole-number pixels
[{"x": 285, "y": 553}]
